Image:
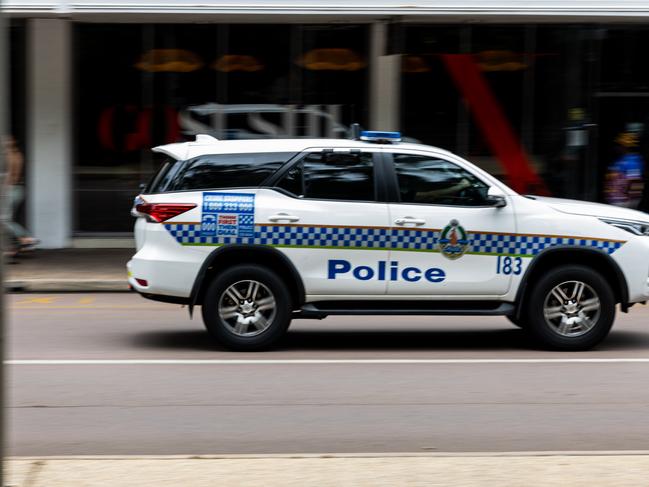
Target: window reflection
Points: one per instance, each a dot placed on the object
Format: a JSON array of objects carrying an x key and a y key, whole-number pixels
[
  {"x": 227, "y": 171},
  {"x": 330, "y": 176},
  {"x": 435, "y": 181}
]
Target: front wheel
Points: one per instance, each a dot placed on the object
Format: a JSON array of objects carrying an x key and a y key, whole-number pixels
[
  {"x": 570, "y": 308},
  {"x": 247, "y": 308}
]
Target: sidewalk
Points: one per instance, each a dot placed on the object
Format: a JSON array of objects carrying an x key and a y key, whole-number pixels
[
  {"x": 69, "y": 270},
  {"x": 441, "y": 470}
]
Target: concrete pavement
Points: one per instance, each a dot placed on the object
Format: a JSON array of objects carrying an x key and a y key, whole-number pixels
[
  {"x": 333, "y": 471},
  {"x": 66, "y": 270}
]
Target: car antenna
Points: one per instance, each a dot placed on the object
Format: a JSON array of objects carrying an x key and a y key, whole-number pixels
[{"x": 355, "y": 130}]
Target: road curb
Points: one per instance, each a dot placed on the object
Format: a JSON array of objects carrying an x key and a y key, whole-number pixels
[
  {"x": 66, "y": 285},
  {"x": 466, "y": 471}
]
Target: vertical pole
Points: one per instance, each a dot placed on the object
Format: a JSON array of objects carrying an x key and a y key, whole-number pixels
[
  {"x": 385, "y": 77},
  {"x": 463, "y": 121},
  {"x": 49, "y": 131},
  {"x": 3, "y": 202},
  {"x": 527, "y": 124},
  {"x": 591, "y": 40}
]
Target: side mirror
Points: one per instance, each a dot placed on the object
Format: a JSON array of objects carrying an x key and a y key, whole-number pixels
[
  {"x": 142, "y": 187},
  {"x": 497, "y": 201}
]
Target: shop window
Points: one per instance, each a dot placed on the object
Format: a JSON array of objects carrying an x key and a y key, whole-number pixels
[
  {"x": 431, "y": 110},
  {"x": 154, "y": 84}
]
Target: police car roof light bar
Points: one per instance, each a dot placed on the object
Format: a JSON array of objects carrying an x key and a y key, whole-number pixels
[{"x": 380, "y": 137}]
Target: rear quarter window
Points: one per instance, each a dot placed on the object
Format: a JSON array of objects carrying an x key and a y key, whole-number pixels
[
  {"x": 164, "y": 176},
  {"x": 227, "y": 170}
]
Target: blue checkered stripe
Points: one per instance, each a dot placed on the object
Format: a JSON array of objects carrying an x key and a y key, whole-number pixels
[
  {"x": 413, "y": 239},
  {"x": 381, "y": 238},
  {"x": 348, "y": 237},
  {"x": 530, "y": 245},
  {"x": 284, "y": 235}
]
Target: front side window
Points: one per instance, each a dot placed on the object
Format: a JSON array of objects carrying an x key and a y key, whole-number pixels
[
  {"x": 227, "y": 171},
  {"x": 332, "y": 176},
  {"x": 430, "y": 180}
]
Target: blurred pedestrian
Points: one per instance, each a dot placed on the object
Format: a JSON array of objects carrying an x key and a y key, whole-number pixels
[
  {"x": 14, "y": 191},
  {"x": 624, "y": 185},
  {"x": 644, "y": 202},
  {"x": 644, "y": 149}
]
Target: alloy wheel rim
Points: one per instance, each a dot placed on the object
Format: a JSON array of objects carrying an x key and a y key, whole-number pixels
[
  {"x": 572, "y": 309},
  {"x": 247, "y": 308}
]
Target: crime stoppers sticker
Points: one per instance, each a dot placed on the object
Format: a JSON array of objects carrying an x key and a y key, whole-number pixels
[{"x": 228, "y": 215}]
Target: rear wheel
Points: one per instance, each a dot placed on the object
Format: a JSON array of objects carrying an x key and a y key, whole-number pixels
[
  {"x": 247, "y": 308},
  {"x": 570, "y": 308}
]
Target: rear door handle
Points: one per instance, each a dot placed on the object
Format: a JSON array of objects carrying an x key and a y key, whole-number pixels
[
  {"x": 283, "y": 217},
  {"x": 408, "y": 220}
]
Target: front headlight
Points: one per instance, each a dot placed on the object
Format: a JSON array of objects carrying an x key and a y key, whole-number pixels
[{"x": 636, "y": 228}]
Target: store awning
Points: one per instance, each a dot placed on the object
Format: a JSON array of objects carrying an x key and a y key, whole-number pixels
[{"x": 326, "y": 8}]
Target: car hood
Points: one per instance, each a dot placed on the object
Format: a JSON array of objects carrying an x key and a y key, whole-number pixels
[{"x": 576, "y": 207}]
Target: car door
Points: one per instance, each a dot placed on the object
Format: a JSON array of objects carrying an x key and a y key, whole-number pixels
[
  {"x": 447, "y": 237},
  {"x": 324, "y": 214}
]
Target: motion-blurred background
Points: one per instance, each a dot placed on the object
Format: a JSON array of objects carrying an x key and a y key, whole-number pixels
[{"x": 547, "y": 95}]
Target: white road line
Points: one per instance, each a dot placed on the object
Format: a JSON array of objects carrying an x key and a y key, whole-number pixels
[{"x": 324, "y": 361}]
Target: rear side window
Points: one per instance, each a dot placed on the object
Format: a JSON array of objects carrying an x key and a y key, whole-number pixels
[
  {"x": 332, "y": 176},
  {"x": 227, "y": 170}
]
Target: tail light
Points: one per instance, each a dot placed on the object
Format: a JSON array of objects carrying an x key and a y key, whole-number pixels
[{"x": 159, "y": 212}]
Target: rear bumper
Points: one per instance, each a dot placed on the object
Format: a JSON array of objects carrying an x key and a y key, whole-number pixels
[
  {"x": 165, "y": 299},
  {"x": 163, "y": 276}
]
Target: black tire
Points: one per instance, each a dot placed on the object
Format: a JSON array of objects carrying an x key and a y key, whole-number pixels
[
  {"x": 236, "y": 333},
  {"x": 555, "y": 332}
]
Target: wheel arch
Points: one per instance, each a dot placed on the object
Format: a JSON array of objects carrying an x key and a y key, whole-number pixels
[
  {"x": 230, "y": 255},
  {"x": 595, "y": 259}
]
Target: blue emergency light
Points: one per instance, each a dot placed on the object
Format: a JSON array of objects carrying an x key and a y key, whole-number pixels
[{"x": 380, "y": 137}]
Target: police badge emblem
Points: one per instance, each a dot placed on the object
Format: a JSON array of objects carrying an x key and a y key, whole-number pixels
[{"x": 453, "y": 241}]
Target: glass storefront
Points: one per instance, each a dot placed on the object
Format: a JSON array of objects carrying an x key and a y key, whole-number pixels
[
  {"x": 528, "y": 79},
  {"x": 17, "y": 77},
  {"x": 16, "y": 121},
  {"x": 547, "y": 108},
  {"x": 566, "y": 93},
  {"x": 143, "y": 85}
]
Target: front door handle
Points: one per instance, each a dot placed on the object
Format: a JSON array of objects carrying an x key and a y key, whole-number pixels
[
  {"x": 408, "y": 220},
  {"x": 283, "y": 217}
]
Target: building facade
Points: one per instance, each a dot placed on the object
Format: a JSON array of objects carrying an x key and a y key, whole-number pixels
[{"x": 541, "y": 95}]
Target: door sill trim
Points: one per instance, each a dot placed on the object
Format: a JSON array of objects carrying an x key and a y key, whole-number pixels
[{"x": 322, "y": 309}]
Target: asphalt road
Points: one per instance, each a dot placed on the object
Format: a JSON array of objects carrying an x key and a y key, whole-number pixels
[{"x": 379, "y": 384}]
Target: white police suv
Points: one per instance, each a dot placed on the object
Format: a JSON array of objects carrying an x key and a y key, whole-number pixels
[{"x": 261, "y": 232}]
